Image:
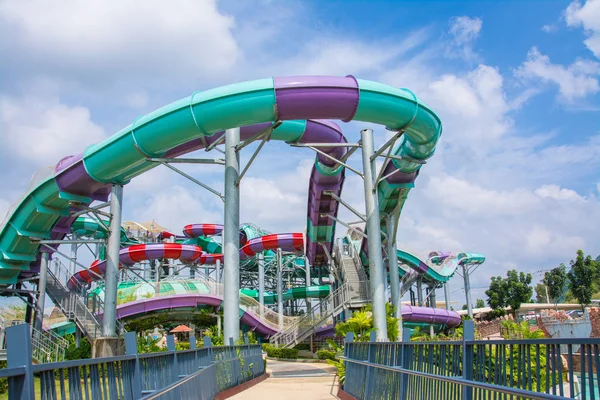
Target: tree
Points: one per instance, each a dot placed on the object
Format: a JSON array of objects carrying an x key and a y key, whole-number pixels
[
  {"x": 479, "y": 303},
  {"x": 511, "y": 291},
  {"x": 584, "y": 271},
  {"x": 540, "y": 293},
  {"x": 556, "y": 281}
]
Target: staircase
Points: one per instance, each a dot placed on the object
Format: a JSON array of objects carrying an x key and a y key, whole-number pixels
[
  {"x": 319, "y": 315},
  {"x": 354, "y": 293},
  {"x": 46, "y": 346},
  {"x": 354, "y": 275},
  {"x": 73, "y": 306}
]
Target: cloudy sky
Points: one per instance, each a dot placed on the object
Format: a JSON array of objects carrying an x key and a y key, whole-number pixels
[{"x": 516, "y": 85}]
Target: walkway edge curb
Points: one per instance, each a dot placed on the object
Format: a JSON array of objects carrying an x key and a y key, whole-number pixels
[
  {"x": 298, "y": 360},
  {"x": 240, "y": 388},
  {"x": 343, "y": 395}
]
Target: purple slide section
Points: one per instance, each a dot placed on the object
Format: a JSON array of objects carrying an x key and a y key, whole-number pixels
[
  {"x": 409, "y": 313},
  {"x": 188, "y": 301}
]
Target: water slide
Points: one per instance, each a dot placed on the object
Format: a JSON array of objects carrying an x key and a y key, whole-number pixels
[
  {"x": 198, "y": 121},
  {"x": 185, "y": 253}
]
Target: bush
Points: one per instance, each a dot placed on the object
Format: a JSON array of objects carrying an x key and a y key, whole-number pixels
[
  {"x": 302, "y": 346},
  {"x": 326, "y": 354},
  {"x": 276, "y": 352},
  {"x": 182, "y": 346}
]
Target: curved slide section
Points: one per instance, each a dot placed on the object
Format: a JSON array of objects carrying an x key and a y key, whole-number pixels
[
  {"x": 410, "y": 314},
  {"x": 186, "y": 253},
  {"x": 303, "y": 292},
  {"x": 190, "y": 123}
]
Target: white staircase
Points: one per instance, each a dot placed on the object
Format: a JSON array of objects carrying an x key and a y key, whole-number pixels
[
  {"x": 73, "y": 306},
  {"x": 354, "y": 293},
  {"x": 46, "y": 346}
]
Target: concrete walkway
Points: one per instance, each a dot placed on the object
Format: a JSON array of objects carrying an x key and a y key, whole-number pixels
[{"x": 294, "y": 381}]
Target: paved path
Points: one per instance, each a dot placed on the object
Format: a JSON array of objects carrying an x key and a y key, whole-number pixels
[{"x": 294, "y": 381}]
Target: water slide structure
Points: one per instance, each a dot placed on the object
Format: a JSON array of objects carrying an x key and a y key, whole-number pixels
[{"x": 295, "y": 110}]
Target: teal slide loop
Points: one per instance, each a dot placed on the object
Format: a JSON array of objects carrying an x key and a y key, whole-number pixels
[{"x": 135, "y": 142}]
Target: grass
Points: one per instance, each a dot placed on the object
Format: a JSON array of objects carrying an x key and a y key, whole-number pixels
[{"x": 38, "y": 392}]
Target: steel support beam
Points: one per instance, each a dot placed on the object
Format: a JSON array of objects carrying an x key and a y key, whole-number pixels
[
  {"x": 447, "y": 295},
  {"x": 466, "y": 277},
  {"x": 231, "y": 238},
  {"x": 196, "y": 181},
  {"x": 218, "y": 161},
  {"x": 73, "y": 258},
  {"x": 374, "y": 232},
  {"x": 43, "y": 277},
  {"x": 393, "y": 270},
  {"x": 111, "y": 277},
  {"x": 279, "y": 289},
  {"x": 420, "y": 292},
  {"x": 261, "y": 281},
  {"x": 348, "y": 206}
]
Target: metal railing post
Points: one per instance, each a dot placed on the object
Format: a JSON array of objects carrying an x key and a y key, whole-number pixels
[
  {"x": 467, "y": 359},
  {"x": 404, "y": 363},
  {"x": 135, "y": 375},
  {"x": 18, "y": 354}
]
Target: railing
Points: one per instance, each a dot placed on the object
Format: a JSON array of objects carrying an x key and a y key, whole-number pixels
[
  {"x": 73, "y": 305},
  {"x": 470, "y": 369},
  {"x": 46, "y": 346},
  {"x": 319, "y": 315},
  {"x": 198, "y": 373}
]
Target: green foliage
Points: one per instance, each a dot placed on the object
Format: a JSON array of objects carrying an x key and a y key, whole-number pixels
[
  {"x": 3, "y": 381},
  {"x": 511, "y": 291},
  {"x": 182, "y": 346},
  {"x": 213, "y": 333},
  {"x": 340, "y": 366},
  {"x": 479, "y": 303},
  {"x": 556, "y": 280},
  {"x": 276, "y": 352},
  {"x": 583, "y": 273},
  {"x": 148, "y": 345},
  {"x": 72, "y": 352},
  {"x": 302, "y": 346},
  {"x": 361, "y": 324},
  {"x": 326, "y": 354},
  {"x": 540, "y": 293}
]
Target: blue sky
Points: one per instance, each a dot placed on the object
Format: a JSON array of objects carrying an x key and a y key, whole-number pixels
[{"x": 516, "y": 84}]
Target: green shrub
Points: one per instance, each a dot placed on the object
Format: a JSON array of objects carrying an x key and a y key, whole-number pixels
[
  {"x": 302, "y": 346},
  {"x": 182, "y": 346},
  {"x": 276, "y": 352},
  {"x": 326, "y": 354}
]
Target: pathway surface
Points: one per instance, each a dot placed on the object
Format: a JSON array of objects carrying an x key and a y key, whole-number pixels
[{"x": 294, "y": 381}]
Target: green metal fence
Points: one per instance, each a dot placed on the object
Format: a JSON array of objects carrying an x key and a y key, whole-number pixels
[
  {"x": 470, "y": 369},
  {"x": 198, "y": 373}
]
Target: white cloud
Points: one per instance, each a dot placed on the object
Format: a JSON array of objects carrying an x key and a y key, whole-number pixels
[
  {"x": 464, "y": 31},
  {"x": 558, "y": 193},
  {"x": 45, "y": 130},
  {"x": 575, "y": 81},
  {"x": 588, "y": 17},
  {"x": 176, "y": 206},
  {"x": 550, "y": 28},
  {"x": 117, "y": 40},
  {"x": 137, "y": 100}
]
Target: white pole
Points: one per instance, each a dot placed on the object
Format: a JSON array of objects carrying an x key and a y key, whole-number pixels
[{"x": 231, "y": 238}]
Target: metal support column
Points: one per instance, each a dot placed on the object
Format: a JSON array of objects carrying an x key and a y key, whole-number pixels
[
  {"x": 308, "y": 281},
  {"x": 218, "y": 271},
  {"x": 420, "y": 292},
  {"x": 280, "y": 289},
  {"x": 39, "y": 315},
  {"x": 73, "y": 258},
  {"x": 261, "y": 282},
  {"x": 231, "y": 239},
  {"x": 111, "y": 278},
  {"x": 378, "y": 287},
  {"x": 447, "y": 295},
  {"x": 432, "y": 299},
  {"x": 393, "y": 270},
  {"x": 465, "y": 269}
]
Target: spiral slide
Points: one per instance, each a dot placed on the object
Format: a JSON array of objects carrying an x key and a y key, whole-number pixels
[{"x": 186, "y": 253}]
